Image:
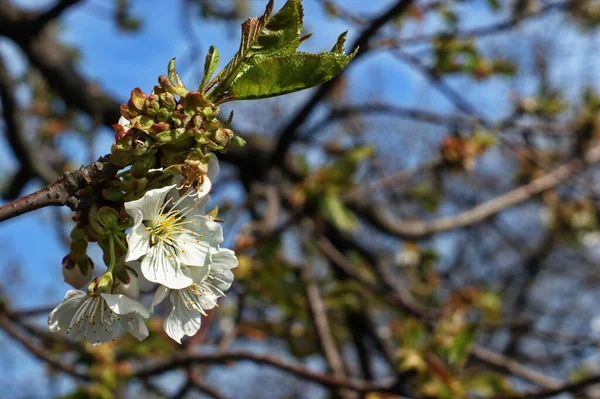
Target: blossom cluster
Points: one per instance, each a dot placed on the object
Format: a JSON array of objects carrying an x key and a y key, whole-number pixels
[{"x": 173, "y": 249}]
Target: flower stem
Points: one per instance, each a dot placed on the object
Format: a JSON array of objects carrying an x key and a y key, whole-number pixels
[
  {"x": 120, "y": 243},
  {"x": 111, "y": 248}
]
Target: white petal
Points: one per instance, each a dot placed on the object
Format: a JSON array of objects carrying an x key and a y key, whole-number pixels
[
  {"x": 161, "y": 265},
  {"x": 213, "y": 167},
  {"x": 222, "y": 262},
  {"x": 159, "y": 296},
  {"x": 138, "y": 241},
  {"x": 210, "y": 231},
  {"x": 143, "y": 282},
  {"x": 131, "y": 289},
  {"x": 123, "y": 121},
  {"x": 208, "y": 297},
  {"x": 60, "y": 318},
  {"x": 122, "y": 305},
  {"x": 150, "y": 204},
  {"x": 134, "y": 324},
  {"x": 190, "y": 199},
  {"x": 181, "y": 321},
  {"x": 193, "y": 250},
  {"x": 205, "y": 187},
  {"x": 225, "y": 258},
  {"x": 200, "y": 273}
]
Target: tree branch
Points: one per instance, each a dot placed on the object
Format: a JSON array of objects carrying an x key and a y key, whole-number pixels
[
  {"x": 225, "y": 357},
  {"x": 54, "y": 63},
  {"x": 54, "y": 12},
  {"x": 62, "y": 192},
  {"x": 380, "y": 218},
  {"x": 32, "y": 162},
  {"x": 571, "y": 387},
  {"x": 38, "y": 351}
]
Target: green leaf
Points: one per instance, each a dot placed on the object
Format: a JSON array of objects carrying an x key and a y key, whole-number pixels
[
  {"x": 262, "y": 37},
  {"x": 461, "y": 345},
  {"x": 337, "y": 213},
  {"x": 210, "y": 65},
  {"x": 338, "y": 48},
  {"x": 281, "y": 75}
]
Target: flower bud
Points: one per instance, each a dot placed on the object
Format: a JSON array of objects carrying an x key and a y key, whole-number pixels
[
  {"x": 75, "y": 273},
  {"x": 237, "y": 140},
  {"x": 137, "y": 100},
  {"x": 107, "y": 217}
]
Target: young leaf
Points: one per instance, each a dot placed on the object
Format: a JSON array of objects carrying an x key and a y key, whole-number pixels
[
  {"x": 338, "y": 48},
  {"x": 281, "y": 75},
  {"x": 210, "y": 65},
  {"x": 337, "y": 213},
  {"x": 262, "y": 37}
]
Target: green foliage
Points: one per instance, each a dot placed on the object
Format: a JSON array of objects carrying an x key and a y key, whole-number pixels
[
  {"x": 267, "y": 63},
  {"x": 336, "y": 212}
]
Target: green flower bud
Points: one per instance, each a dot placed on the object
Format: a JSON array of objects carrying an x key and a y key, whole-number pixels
[
  {"x": 141, "y": 166},
  {"x": 113, "y": 194},
  {"x": 237, "y": 140},
  {"x": 108, "y": 218},
  {"x": 210, "y": 112},
  {"x": 194, "y": 102}
]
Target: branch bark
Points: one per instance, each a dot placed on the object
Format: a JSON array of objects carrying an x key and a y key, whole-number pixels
[
  {"x": 378, "y": 217},
  {"x": 298, "y": 371},
  {"x": 62, "y": 192}
]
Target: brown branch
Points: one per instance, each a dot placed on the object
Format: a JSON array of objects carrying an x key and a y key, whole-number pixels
[
  {"x": 478, "y": 32},
  {"x": 571, "y": 387},
  {"x": 53, "y": 13},
  {"x": 62, "y": 192},
  {"x": 32, "y": 162},
  {"x": 380, "y": 218},
  {"x": 320, "y": 320},
  {"x": 514, "y": 367},
  {"x": 268, "y": 360},
  {"x": 200, "y": 386},
  {"x": 55, "y": 64},
  {"x": 392, "y": 180},
  {"x": 38, "y": 351},
  {"x": 397, "y": 297},
  {"x": 289, "y": 132}
]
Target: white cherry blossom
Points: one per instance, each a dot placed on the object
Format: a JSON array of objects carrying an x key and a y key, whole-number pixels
[
  {"x": 171, "y": 235},
  {"x": 191, "y": 303},
  {"x": 95, "y": 317}
]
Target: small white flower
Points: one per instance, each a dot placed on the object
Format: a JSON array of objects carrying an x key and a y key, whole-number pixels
[
  {"x": 171, "y": 234},
  {"x": 191, "y": 303},
  {"x": 95, "y": 317}
]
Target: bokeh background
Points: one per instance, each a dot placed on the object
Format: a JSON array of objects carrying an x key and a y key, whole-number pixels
[{"x": 424, "y": 226}]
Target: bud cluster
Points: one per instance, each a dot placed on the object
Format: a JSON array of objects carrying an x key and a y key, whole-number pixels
[{"x": 171, "y": 128}]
